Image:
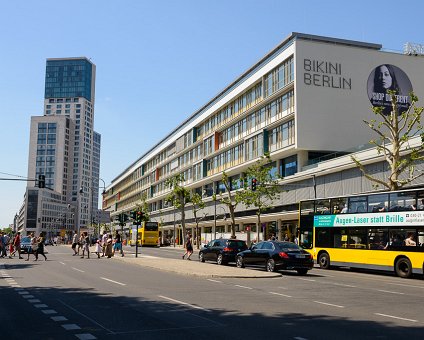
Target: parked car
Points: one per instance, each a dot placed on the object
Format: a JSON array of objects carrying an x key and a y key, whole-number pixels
[
  {"x": 222, "y": 250},
  {"x": 275, "y": 255},
  {"x": 25, "y": 244}
]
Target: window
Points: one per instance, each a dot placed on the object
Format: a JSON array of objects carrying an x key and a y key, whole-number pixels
[{"x": 289, "y": 166}]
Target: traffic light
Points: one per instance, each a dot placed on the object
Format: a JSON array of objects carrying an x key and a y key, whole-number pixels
[
  {"x": 139, "y": 217},
  {"x": 41, "y": 181},
  {"x": 254, "y": 182},
  {"x": 133, "y": 215}
]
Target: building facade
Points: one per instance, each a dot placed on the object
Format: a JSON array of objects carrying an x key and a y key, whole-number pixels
[
  {"x": 304, "y": 103},
  {"x": 65, "y": 149}
]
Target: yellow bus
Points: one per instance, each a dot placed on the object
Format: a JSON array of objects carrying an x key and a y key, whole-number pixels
[
  {"x": 148, "y": 234},
  {"x": 378, "y": 231}
]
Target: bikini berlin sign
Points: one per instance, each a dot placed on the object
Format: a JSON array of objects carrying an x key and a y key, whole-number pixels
[{"x": 400, "y": 218}]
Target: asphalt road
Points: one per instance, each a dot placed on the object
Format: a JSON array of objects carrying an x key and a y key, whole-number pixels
[{"x": 71, "y": 298}]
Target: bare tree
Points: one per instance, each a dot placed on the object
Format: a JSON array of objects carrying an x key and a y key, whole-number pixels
[{"x": 394, "y": 133}]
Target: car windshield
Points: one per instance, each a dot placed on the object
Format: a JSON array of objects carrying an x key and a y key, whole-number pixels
[
  {"x": 26, "y": 239},
  {"x": 288, "y": 246}
]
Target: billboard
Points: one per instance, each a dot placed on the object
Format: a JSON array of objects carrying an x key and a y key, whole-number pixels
[{"x": 336, "y": 87}]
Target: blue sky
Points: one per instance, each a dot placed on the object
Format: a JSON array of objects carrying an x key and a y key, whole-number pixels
[{"x": 159, "y": 61}]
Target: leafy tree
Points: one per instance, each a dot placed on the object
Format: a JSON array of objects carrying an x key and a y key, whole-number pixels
[
  {"x": 230, "y": 200},
  {"x": 267, "y": 188},
  {"x": 394, "y": 133},
  {"x": 7, "y": 230},
  {"x": 197, "y": 205},
  {"x": 178, "y": 197}
]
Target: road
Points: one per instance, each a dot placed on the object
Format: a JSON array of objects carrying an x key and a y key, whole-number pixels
[{"x": 71, "y": 298}]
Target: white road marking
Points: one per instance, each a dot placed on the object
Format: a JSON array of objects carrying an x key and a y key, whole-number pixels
[
  {"x": 85, "y": 336},
  {"x": 343, "y": 285},
  {"x": 28, "y": 296},
  {"x": 71, "y": 326},
  {"x": 311, "y": 280},
  {"x": 118, "y": 283},
  {"x": 282, "y": 287},
  {"x": 388, "y": 291},
  {"x": 48, "y": 311},
  {"x": 279, "y": 294},
  {"x": 404, "y": 285},
  {"x": 34, "y": 300},
  {"x": 214, "y": 281},
  {"x": 87, "y": 317},
  {"x": 183, "y": 303},
  {"x": 329, "y": 304},
  {"x": 78, "y": 270},
  {"x": 299, "y": 338},
  {"x": 62, "y": 263},
  {"x": 41, "y": 305},
  {"x": 58, "y": 318},
  {"x": 243, "y": 287},
  {"x": 23, "y": 292},
  {"x": 18, "y": 289},
  {"x": 395, "y": 317}
]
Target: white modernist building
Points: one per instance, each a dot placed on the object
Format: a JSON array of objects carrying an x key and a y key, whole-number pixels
[{"x": 304, "y": 103}]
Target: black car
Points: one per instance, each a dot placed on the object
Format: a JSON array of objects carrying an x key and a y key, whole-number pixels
[
  {"x": 274, "y": 255},
  {"x": 222, "y": 250}
]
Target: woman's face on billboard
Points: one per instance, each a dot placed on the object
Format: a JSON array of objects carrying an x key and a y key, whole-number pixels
[{"x": 384, "y": 77}]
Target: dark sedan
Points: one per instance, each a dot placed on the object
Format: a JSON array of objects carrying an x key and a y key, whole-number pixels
[
  {"x": 274, "y": 255},
  {"x": 222, "y": 250}
]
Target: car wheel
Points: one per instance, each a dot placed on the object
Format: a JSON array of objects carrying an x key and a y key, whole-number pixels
[
  {"x": 220, "y": 259},
  {"x": 302, "y": 271},
  {"x": 270, "y": 265},
  {"x": 324, "y": 261},
  {"x": 240, "y": 262},
  {"x": 201, "y": 257},
  {"x": 403, "y": 268}
]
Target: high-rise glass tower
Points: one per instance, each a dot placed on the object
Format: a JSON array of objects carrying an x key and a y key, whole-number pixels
[{"x": 63, "y": 144}]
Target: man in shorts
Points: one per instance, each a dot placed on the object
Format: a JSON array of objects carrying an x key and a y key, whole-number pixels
[{"x": 118, "y": 244}]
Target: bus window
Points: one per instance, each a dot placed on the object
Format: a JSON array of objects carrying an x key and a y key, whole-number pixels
[
  {"x": 307, "y": 207},
  {"x": 337, "y": 205},
  {"x": 402, "y": 201},
  {"x": 378, "y": 203},
  {"x": 420, "y": 237},
  {"x": 357, "y": 238},
  {"x": 357, "y": 204},
  {"x": 322, "y": 207},
  {"x": 339, "y": 238},
  {"x": 420, "y": 201},
  {"x": 378, "y": 239},
  {"x": 305, "y": 240},
  {"x": 323, "y": 238}
]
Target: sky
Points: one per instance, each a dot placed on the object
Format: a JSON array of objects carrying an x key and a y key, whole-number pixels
[{"x": 158, "y": 61}]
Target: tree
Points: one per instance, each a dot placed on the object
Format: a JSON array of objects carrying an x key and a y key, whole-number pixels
[
  {"x": 266, "y": 190},
  {"x": 197, "y": 205},
  {"x": 394, "y": 133},
  {"x": 179, "y": 197},
  {"x": 230, "y": 200}
]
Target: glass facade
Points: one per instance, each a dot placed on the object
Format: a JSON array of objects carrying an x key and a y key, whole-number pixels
[
  {"x": 68, "y": 78},
  {"x": 46, "y": 150}
]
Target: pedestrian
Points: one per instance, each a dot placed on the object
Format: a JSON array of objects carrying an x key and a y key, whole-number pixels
[
  {"x": 40, "y": 247},
  {"x": 85, "y": 244},
  {"x": 3, "y": 245},
  {"x": 98, "y": 249},
  {"x": 118, "y": 244},
  {"x": 16, "y": 245},
  {"x": 80, "y": 242},
  {"x": 189, "y": 247},
  {"x": 33, "y": 246},
  {"x": 104, "y": 244},
  {"x": 109, "y": 242},
  {"x": 74, "y": 243}
]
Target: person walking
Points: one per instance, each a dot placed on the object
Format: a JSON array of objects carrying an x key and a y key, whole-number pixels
[
  {"x": 16, "y": 245},
  {"x": 189, "y": 247},
  {"x": 33, "y": 246},
  {"x": 104, "y": 244},
  {"x": 109, "y": 252},
  {"x": 74, "y": 243},
  {"x": 40, "y": 247},
  {"x": 118, "y": 244},
  {"x": 98, "y": 248},
  {"x": 85, "y": 244}
]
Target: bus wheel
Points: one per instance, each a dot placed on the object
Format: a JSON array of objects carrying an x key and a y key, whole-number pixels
[
  {"x": 324, "y": 260},
  {"x": 403, "y": 268}
]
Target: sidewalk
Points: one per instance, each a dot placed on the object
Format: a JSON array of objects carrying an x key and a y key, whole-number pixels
[{"x": 194, "y": 267}]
